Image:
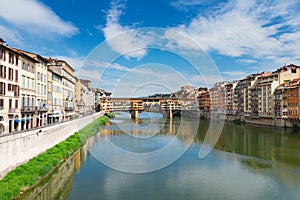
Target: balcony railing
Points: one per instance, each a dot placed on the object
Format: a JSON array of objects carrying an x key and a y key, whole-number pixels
[
  {"x": 69, "y": 108},
  {"x": 42, "y": 109},
  {"x": 28, "y": 109},
  {"x": 13, "y": 110}
]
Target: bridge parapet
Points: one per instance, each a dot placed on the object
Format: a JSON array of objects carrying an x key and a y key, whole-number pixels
[{"x": 166, "y": 106}]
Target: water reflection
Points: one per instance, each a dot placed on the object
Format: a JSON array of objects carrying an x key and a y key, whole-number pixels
[
  {"x": 247, "y": 162},
  {"x": 59, "y": 184}
]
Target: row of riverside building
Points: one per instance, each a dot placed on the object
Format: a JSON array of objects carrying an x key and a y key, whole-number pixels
[
  {"x": 263, "y": 96},
  {"x": 36, "y": 91}
]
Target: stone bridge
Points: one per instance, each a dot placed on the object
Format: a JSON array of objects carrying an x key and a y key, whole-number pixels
[{"x": 168, "y": 107}]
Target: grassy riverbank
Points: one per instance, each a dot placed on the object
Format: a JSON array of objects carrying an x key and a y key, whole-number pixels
[{"x": 30, "y": 173}]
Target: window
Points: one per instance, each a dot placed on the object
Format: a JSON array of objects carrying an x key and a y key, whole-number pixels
[
  {"x": 42, "y": 89},
  {"x": 16, "y": 76},
  {"x": 10, "y": 74},
  {"x": 45, "y": 79},
  {"x": 32, "y": 84},
  {"x": 11, "y": 58},
  {"x": 23, "y": 82},
  {"x": 16, "y": 103},
  {"x": 28, "y": 83},
  {"x": 2, "y": 71},
  {"x": 9, "y": 87},
  {"x": 38, "y": 88},
  {"x": 23, "y": 101},
  {"x": 2, "y": 88},
  {"x": 1, "y": 101},
  {"x": 23, "y": 65},
  {"x": 10, "y": 104},
  {"x": 38, "y": 76},
  {"x": 2, "y": 53},
  {"x": 45, "y": 90}
]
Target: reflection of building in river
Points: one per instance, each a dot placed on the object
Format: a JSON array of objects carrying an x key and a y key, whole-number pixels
[
  {"x": 61, "y": 182},
  {"x": 256, "y": 142}
]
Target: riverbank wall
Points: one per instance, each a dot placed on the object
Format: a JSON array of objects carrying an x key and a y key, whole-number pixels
[
  {"x": 16, "y": 149},
  {"x": 258, "y": 121}
]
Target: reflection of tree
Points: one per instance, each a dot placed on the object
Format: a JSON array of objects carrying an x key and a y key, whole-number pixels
[
  {"x": 259, "y": 142},
  {"x": 59, "y": 184},
  {"x": 275, "y": 149}
]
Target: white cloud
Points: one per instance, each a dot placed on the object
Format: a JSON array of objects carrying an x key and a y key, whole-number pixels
[
  {"x": 253, "y": 28},
  {"x": 188, "y": 4},
  {"x": 247, "y": 61},
  {"x": 35, "y": 18},
  {"x": 234, "y": 73},
  {"x": 123, "y": 39},
  {"x": 10, "y": 35}
]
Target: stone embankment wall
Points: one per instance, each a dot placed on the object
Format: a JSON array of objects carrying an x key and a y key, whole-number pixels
[
  {"x": 18, "y": 148},
  {"x": 259, "y": 121}
]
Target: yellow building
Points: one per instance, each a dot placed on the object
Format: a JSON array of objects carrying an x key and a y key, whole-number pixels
[
  {"x": 55, "y": 93},
  {"x": 27, "y": 91},
  {"x": 63, "y": 80},
  {"x": 9, "y": 90},
  {"x": 40, "y": 79},
  {"x": 84, "y": 97},
  {"x": 50, "y": 118}
]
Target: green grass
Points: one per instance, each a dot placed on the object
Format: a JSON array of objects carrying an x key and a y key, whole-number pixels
[
  {"x": 112, "y": 115},
  {"x": 30, "y": 173}
]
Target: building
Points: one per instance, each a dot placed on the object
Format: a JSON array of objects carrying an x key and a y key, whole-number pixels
[
  {"x": 64, "y": 83},
  {"x": 84, "y": 97},
  {"x": 102, "y": 100},
  {"x": 28, "y": 91},
  {"x": 41, "y": 91},
  {"x": 287, "y": 100},
  {"x": 265, "y": 97},
  {"x": 55, "y": 92},
  {"x": 204, "y": 100},
  {"x": 242, "y": 95},
  {"x": 218, "y": 97},
  {"x": 231, "y": 105},
  {"x": 9, "y": 89},
  {"x": 292, "y": 92}
]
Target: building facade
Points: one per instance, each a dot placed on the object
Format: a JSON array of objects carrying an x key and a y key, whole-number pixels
[{"x": 9, "y": 89}]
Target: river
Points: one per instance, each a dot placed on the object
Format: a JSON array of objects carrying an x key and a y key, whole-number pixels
[{"x": 247, "y": 162}]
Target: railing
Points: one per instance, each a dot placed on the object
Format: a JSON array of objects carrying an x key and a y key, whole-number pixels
[
  {"x": 69, "y": 108},
  {"x": 13, "y": 110},
  {"x": 28, "y": 109},
  {"x": 42, "y": 109}
]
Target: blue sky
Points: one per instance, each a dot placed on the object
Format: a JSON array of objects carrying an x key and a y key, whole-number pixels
[{"x": 240, "y": 37}]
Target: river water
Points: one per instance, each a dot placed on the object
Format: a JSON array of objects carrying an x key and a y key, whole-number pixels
[{"x": 247, "y": 162}]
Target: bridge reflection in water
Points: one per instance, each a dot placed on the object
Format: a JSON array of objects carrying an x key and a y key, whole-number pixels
[
  {"x": 168, "y": 107},
  {"x": 259, "y": 153}
]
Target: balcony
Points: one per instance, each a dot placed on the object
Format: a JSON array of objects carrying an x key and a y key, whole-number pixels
[
  {"x": 13, "y": 110},
  {"x": 28, "y": 109},
  {"x": 69, "y": 108},
  {"x": 42, "y": 109}
]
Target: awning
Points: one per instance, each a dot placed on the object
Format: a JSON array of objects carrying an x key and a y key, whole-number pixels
[
  {"x": 28, "y": 119},
  {"x": 17, "y": 120},
  {"x": 4, "y": 123}
]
